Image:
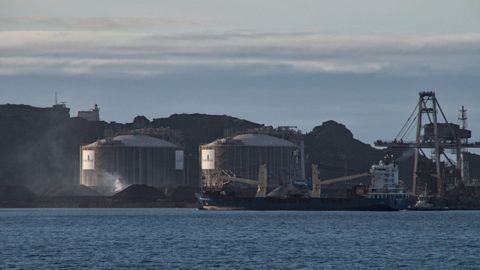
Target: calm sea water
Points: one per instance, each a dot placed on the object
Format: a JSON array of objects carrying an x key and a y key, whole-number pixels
[{"x": 190, "y": 239}]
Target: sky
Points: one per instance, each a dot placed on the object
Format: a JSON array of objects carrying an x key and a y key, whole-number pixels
[{"x": 298, "y": 63}]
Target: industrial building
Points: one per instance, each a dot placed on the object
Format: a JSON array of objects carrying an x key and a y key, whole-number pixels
[
  {"x": 110, "y": 165},
  {"x": 90, "y": 115},
  {"x": 242, "y": 155}
]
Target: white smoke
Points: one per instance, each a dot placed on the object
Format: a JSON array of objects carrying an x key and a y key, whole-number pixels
[
  {"x": 118, "y": 186},
  {"x": 109, "y": 183}
]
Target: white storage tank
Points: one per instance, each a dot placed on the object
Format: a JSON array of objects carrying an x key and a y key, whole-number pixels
[
  {"x": 110, "y": 165},
  {"x": 243, "y": 154}
]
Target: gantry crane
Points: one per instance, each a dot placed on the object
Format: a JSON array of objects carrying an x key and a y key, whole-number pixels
[{"x": 436, "y": 135}]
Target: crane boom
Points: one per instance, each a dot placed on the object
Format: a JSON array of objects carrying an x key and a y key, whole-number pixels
[
  {"x": 261, "y": 183},
  {"x": 344, "y": 178},
  {"x": 316, "y": 182},
  {"x": 239, "y": 180},
  {"x": 324, "y": 182}
]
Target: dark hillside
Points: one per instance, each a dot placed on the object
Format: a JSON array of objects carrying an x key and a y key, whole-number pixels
[
  {"x": 332, "y": 146},
  {"x": 40, "y": 146}
]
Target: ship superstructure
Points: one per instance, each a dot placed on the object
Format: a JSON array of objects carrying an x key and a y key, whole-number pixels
[{"x": 385, "y": 182}]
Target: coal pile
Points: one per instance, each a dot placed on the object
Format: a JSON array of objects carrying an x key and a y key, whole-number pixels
[
  {"x": 10, "y": 193},
  {"x": 139, "y": 193}
]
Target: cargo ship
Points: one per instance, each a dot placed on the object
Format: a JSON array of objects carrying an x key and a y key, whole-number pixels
[{"x": 384, "y": 193}]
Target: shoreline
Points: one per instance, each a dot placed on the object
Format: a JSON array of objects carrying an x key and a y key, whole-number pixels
[
  {"x": 140, "y": 205},
  {"x": 96, "y": 202}
]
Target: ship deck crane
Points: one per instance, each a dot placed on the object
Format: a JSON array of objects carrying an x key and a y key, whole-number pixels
[
  {"x": 262, "y": 181},
  {"x": 317, "y": 182}
]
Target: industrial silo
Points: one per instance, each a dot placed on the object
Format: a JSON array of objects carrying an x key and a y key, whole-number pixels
[
  {"x": 110, "y": 165},
  {"x": 242, "y": 155}
]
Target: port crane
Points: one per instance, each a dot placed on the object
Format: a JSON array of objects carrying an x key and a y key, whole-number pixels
[{"x": 433, "y": 131}]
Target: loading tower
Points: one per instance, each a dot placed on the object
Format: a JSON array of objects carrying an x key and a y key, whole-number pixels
[{"x": 434, "y": 132}]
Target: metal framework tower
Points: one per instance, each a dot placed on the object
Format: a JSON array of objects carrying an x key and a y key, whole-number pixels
[
  {"x": 437, "y": 136},
  {"x": 427, "y": 106}
]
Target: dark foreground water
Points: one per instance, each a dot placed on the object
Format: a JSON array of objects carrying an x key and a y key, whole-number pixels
[{"x": 190, "y": 239}]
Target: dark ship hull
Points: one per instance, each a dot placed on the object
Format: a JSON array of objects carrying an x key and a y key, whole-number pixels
[
  {"x": 218, "y": 202},
  {"x": 433, "y": 208}
]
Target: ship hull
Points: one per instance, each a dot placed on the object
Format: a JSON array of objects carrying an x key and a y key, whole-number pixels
[
  {"x": 428, "y": 208},
  {"x": 208, "y": 202}
]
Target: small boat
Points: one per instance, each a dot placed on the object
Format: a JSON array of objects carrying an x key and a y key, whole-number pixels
[{"x": 423, "y": 204}]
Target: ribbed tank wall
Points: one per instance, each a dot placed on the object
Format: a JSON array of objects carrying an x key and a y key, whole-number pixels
[
  {"x": 244, "y": 161},
  {"x": 88, "y": 178},
  {"x": 133, "y": 165}
]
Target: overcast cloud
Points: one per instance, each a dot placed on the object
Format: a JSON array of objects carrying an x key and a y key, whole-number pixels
[
  {"x": 98, "y": 53},
  {"x": 92, "y": 23}
]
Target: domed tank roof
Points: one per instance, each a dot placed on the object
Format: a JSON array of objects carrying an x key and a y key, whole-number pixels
[
  {"x": 134, "y": 141},
  {"x": 254, "y": 140}
]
